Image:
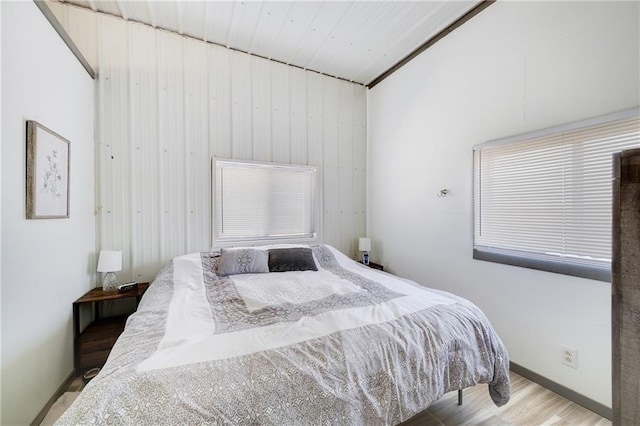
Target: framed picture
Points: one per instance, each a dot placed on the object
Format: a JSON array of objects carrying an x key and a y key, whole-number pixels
[{"x": 47, "y": 173}]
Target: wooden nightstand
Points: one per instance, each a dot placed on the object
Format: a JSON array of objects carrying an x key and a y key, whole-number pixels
[
  {"x": 374, "y": 266},
  {"x": 91, "y": 347}
]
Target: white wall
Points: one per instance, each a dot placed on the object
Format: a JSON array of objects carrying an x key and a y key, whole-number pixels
[
  {"x": 168, "y": 104},
  {"x": 47, "y": 264},
  {"x": 0, "y": 210},
  {"x": 515, "y": 67}
]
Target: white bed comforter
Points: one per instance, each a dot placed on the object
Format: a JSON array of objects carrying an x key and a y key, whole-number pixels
[{"x": 343, "y": 345}]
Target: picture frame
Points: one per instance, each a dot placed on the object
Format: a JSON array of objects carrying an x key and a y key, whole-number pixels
[{"x": 48, "y": 158}]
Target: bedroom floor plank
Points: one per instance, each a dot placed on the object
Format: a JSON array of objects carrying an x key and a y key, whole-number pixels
[
  {"x": 423, "y": 419},
  {"x": 530, "y": 404}
]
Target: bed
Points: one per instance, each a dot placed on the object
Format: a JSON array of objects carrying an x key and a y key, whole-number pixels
[{"x": 344, "y": 344}]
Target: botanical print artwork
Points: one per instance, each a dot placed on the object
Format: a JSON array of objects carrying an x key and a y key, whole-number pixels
[
  {"x": 47, "y": 173},
  {"x": 52, "y": 175}
]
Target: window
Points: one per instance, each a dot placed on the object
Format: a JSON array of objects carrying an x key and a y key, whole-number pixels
[
  {"x": 262, "y": 202},
  {"x": 543, "y": 200}
]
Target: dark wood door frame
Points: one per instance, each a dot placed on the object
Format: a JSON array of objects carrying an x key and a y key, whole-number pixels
[{"x": 625, "y": 288}]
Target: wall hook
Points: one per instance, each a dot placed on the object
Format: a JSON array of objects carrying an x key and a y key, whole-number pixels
[{"x": 443, "y": 192}]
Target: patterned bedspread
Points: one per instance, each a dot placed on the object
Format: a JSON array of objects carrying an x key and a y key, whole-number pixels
[{"x": 343, "y": 345}]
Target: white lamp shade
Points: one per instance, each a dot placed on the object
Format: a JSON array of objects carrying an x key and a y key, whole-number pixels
[
  {"x": 110, "y": 261},
  {"x": 364, "y": 244}
]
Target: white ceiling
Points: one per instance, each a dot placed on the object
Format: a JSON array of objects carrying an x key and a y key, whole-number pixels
[{"x": 354, "y": 40}]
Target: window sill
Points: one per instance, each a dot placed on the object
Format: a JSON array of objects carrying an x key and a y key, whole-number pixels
[{"x": 514, "y": 259}]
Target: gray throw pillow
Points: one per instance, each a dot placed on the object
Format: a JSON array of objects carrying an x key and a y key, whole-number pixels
[
  {"x": 291, "y": 259},
  {"x": 242, "y": 261}
]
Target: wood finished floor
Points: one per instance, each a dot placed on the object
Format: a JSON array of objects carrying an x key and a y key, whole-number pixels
[{"x": 530, "y": 405}]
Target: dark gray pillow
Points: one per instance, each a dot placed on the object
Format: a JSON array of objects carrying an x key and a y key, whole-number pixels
[
  {"x": 291, "y": 259},
  {"x": 242, "y": 261}
]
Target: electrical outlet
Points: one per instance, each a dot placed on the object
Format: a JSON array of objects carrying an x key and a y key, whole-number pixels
[{"x": 569, "y": 356}]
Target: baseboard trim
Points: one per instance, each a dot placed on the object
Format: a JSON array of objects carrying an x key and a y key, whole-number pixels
[
  {"x": 563, "y": 391},
  {"x": 61, "y": 389}
]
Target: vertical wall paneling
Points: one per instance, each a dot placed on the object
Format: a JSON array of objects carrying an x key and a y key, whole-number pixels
[
  {"x": 132, "y": 158},
  {"x": 167, "y": 104},
  {"x": 121, "y": 145},
  {"x": 280, "y": 130},
  {"x": 113, "y": 137},
  {"x": 171, "y": 125},
  {"x": 160, "y": 213},
  {"x": 100, "y": 151},
  {"x": 261, "y": 85},
  {"x": 331, "y": 167},
  {"x": 197, "y": 163},
  {"x": 219, "y": 72},
  {"x": 345, "y": 161},
  {"x": 242, "y": 147},
  {"x": 315, "y": 122},
  {"x": 315, "y": 138},
  {"x": 144, "y": 119},
  {"x": 359, "y": 145},
  {"x": 162, "y": 168},
  {"x": 298, "y": 116}
]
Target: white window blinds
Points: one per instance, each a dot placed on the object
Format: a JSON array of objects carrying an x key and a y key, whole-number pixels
[
  {"x": 259, "y": 202},
  {"x": 546, "y": 196}
]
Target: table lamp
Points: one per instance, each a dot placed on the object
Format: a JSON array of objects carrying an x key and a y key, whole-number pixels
[
  {"x": 364, "y": 245},
  {"x": 110, "y": 261}
]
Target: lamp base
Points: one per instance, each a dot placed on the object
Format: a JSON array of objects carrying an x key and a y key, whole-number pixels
[
  {"x": 110, "y": 281},
  {"x": 365, "y": 257}
]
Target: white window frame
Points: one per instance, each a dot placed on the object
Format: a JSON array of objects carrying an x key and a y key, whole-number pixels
[
  {"x": 563, "y": 263},
  {"x": 218, "y": 237}
]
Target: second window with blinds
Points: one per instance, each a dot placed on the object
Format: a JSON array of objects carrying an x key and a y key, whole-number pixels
[
  {"x": 261, "y": 203},
  {"x": 543, "y": 200}
]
